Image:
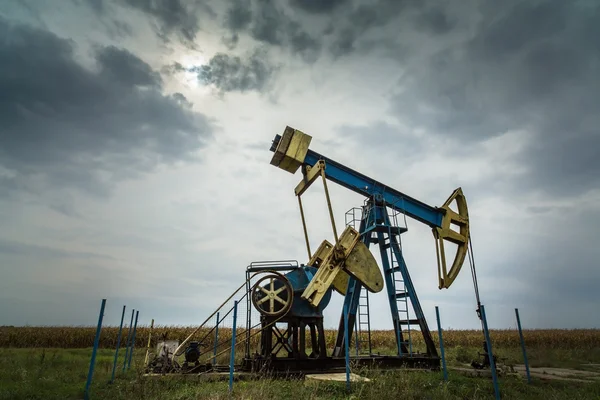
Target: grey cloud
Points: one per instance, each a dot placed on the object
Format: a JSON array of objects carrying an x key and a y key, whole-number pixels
[
  {"x": 389, "y": 20},
  {"x": 65, "y": 126},
  {"x": 318, "y": 6},
  {"x": 114, "y": 27},
  {"x": 530, "y": 66},
  {"x": 236, "y": 74},
  {"x": 237, "y": 19},
  {"x": 341, "y": 26},
  {"x": 435, "y": 20},
  {"x": 122, "y": 66},
  {"x": 268, "y": 22},
  {"x": 171, "y": 16},
  {"x": 384, "y": 138},
  {"x": 99, "y": 6},
  {"x": 18, "y": 248}
]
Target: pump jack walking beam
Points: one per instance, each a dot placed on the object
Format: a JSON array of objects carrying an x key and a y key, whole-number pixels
[{"x": 292, "y": 152}]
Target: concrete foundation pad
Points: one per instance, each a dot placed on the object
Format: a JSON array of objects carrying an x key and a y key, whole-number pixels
[{"x": 336, "y": 377}]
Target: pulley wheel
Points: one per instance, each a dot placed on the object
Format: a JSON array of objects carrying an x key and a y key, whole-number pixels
[{"x": 272, "y": 295}]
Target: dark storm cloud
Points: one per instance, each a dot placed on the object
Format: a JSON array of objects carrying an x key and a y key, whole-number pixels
[
  {"x": 268, "y": 22},
  {"x": 237, "y": 19},
  {"x": 122, "y": 67},
  {"x": 63, "y": 125},
  {"x": 179, "y": 16},
  {"x": 372, "y": 25},
  {"x": 318, "y": 6},
  {"x": 234, "y": 74},
  {"x": 229, "y": 73},
  {"x": 530, "y": 66},
  {"x": 114, "y": 27}
]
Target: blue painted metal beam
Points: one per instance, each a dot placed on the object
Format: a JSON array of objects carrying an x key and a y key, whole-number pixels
[{"x": 368, "y": 187}]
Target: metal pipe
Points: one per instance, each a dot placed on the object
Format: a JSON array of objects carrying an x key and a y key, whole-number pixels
[
  {"x": 177, "y": 351},
  {"x": 523, "y": 346},
  {"x": 216, "y": 341},
  {"x": 491, "y": 355},
  {"x": 346, "y": 345},
  {"x": 94, "y": 350},
  {"x": 437, "y": 314},
  {"x": 304, "y": 227},
  {"x": 146, "y": 359},
  {"x": 112, "y": 378},
  {"x": 335, "y": 235}
]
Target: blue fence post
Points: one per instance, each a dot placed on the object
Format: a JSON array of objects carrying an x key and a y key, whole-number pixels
[
  {"x": 347, "y": 346},
  {"x": 137, "y": 313},
  {"x": 214, "y": 362},
  {"x": 232, "y": 357},
  {"x": 437, "y": 314},
  {"x": 523, "y": 346},
  {"x": 112, "y": 378},
  {"x": 356, "y": 338},
  {"x": 129, "y": 332},
  {"x": 491, "y": 355},
  {"x": 93, "y": 360}
]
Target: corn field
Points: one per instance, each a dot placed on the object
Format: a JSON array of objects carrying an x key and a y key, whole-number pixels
[{"x": 82, "y": 337}]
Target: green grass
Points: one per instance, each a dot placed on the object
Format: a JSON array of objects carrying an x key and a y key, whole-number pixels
[{"x": 61, "y": 374}]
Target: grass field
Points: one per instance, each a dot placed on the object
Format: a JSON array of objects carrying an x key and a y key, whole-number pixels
[{"x": 52, "y": 363}]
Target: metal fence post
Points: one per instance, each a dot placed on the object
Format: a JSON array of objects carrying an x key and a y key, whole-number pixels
[
  {"x": 128, "y": 340},
  {"x": 112, "y": 378},
  {"x": 491, "y": 355},
  {"x": 347, "y": 346},
  {"x": 523, "y": 346},
  {"x": 137, "y": 313},
  {"x": 356, "y": 344},
  {"x": 232, "y": 357},
  {"x": 147, "y": 357},
  {"x": 93, "y": 360},
  {"x": 437, "y": 314},
  {"x": 214, "y": 361}
]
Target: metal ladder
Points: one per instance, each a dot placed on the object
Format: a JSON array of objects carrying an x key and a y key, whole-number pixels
[
  {"x": 363, "y": 336},
  {"x": 400, "y": 292},
  {"x": 362, "y": 324}
]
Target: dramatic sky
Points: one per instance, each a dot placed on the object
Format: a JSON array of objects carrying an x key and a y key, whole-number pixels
[{"x": 135, "y": 135}]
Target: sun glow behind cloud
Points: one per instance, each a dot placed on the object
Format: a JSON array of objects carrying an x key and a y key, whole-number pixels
[{"x": 188, "y": 77}]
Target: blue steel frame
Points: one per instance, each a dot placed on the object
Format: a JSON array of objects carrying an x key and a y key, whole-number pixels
[
  {"x": 381, "y": 195},
  {"x": 369, "y": 187},
  {"x": 379, "y": 222}
]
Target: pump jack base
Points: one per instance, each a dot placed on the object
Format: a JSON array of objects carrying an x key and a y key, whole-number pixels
[
  {"x": 254, "y": 368},
  {"x": 303, "y": 366}
]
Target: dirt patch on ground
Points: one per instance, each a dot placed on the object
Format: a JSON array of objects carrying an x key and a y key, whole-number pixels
[{"x": 545, "y": 373}]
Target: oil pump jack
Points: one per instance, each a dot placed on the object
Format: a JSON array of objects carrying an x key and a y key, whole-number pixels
[
  {"x": 291, "y": 298},
  {"x": 348, "y": 266}
]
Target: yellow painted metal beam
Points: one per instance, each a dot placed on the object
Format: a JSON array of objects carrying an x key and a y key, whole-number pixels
[
  {"x": 312, "y": 173},
  {"x": 349, "y": 257},
  {"x": 460, "y": 238}
]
